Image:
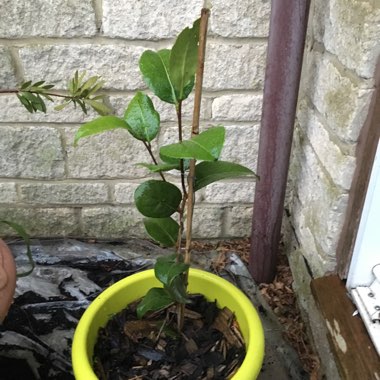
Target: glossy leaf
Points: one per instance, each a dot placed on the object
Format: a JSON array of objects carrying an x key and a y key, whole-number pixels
[
  {"x": 207, "y": 146},
  {"x": 157, "y": 199},
  {"x": 154, "y": 67},
  {"x": 167, "y": 269},
  {"x": 143, "y": 121},
  {"x": 183, "y": 59},
  {"x": 178, "y": 289},
  {"x": 155, "y": 299},
  {"x": 162, "y": 230},
  {"x": 99, "y": 125},
  {"x": 207, "y": 172}
]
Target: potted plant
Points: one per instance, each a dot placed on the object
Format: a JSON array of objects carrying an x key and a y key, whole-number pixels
[
  {"x": 171, "y": 75},
  {"x": 167, "y": 208},
  {"x": 8, "y": 272}
]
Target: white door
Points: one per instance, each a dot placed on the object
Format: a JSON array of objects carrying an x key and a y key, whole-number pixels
[{"x": 363, "y": 280}]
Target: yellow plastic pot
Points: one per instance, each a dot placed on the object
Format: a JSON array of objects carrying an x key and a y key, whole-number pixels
[{"x": 117, "y": 297}]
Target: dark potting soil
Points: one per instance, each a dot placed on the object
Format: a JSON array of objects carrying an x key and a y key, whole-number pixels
[{"x": 210, "y": 345}]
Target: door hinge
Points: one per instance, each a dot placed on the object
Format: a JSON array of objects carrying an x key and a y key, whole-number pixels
[{"x": 367, "y": 300}]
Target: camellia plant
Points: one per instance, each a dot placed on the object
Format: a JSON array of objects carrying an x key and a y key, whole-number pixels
[
  {"x": 167, "y": 209},
  {"x": 171, "y": 74}
]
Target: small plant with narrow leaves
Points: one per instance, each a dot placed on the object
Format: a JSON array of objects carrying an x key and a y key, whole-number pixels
[
  {"x": 171, "y": 75},
  {"x": 81, "y": 91}
]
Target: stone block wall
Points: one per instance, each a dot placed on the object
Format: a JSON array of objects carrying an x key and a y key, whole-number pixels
[
  {"x": 54, "y": 189},
  {"x": 342, "y": 50},
  {"x": 341, "y": 53}
]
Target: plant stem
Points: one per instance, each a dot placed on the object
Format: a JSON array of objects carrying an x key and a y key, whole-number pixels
[
  {"x": 205, "y": 13},
  {"x": 16, "y": 91},
  {"x": 149, "y": 149}
]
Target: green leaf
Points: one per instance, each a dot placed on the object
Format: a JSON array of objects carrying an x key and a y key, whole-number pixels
[
  {"x": 25, "y": 103},
  {"x": 207, "y": 146},
  {"x": 167, "y": 269},
  {"x": 60, "y": 107},
  {"x": 155, "y": 299},
  {"x": 99, "y": 107},
  {"x": 157, "y": 199},
  {"x": 26, "y": 85},
  {"x": 89, "y": 83},
  {"x": 162, "y": 230},
  {"x": 24, "y": 235},
  {"x": 143, "y": 121},
  {"x": 154, "y": 67},
  {"x": 184, "y": 58},
  {"x": 178, "y": 289},
  {"x": 207, "y": 172},
  {"x": 99, "y": 125}
]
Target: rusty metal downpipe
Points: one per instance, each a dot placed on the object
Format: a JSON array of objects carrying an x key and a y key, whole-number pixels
[{"x": 287, "y": 35}]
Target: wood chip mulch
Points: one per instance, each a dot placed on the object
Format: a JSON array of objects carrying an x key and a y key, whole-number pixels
[{"x": 279, "y": 295}]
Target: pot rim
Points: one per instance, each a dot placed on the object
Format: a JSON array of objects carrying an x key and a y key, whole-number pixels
[{"x": 200, "y": 281}]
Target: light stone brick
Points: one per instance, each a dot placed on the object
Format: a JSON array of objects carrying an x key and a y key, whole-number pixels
[
  {"x": 8, "y": 193},
  {"x": 237, "y": 107},
  {"x": 208, "y": 222},
  {"x": 124, "y": 192},
  {"x": 148, "y": 19},
  {"x": 7, "y": 72},
  {"x": 112, "y": 222},
  {"x": 11, "y": 110},
  {"x": 31, "y": 152},
  {"x": 42, "y": 222},
  {"x": 343, "y": 104},
  {"x": 352, "y": 33},
  {"x": 64, "y": 193},
  {"x": 113, "y": 154},
  {"x": 117, "y": 64},
  {"x": 244, "y": 18},
  {"x": 241, "y": 145},
  {"x": 238, "y": 221},
  {"x": 229, "y": 192},
  {"x": 235, "y": 66},
  {"x": 322, "y": 206},
  {"x": 319, "y": 264},
  {"x": 54, "y": 18},
  {"x": 340, "y": 166}
]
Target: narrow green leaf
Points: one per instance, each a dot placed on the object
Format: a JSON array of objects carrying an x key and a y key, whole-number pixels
[
  {"x": 26, "y": 85},
  {"x": 155, "y": 299},
  {"x": 154, "y": 67},
  {"x": 38, "y": 84},
  {"x": 184, "y": 58},
  {"x": 207, "y": 172},
  {"x": 88, "y": 84},
  {"x": 99, "y": 107},
  {"x": 60, "y": 107},
  {"x": 99, "y": 125},
  {"x": 157, "y": 199},
  {"x": 25, "y": 103},
  {"x": 162, "y": 230},
  {"x": 167, "y": 269},
  {"x": 143, "y": 121},
  {"x": 24, "y": 235},
  {"x": 48, "y": 86},
  {"x": 207, "y": 146}
]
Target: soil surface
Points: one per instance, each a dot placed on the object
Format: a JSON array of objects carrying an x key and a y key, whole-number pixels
[{"x": 209, "y": 346}]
